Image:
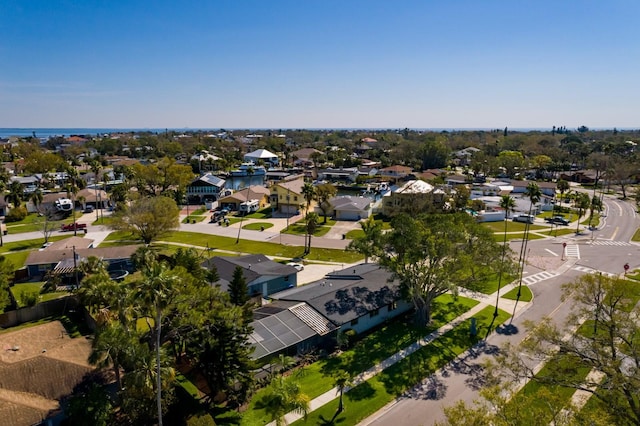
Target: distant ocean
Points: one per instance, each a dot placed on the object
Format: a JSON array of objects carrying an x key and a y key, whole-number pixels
[{"x": 48, "y": 132}]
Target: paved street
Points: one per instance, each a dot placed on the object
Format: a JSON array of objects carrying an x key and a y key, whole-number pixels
[{"x": 604, "y": 250}]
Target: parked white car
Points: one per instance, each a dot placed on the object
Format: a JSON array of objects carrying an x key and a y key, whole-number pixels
[{"x": 298, "y": 266}]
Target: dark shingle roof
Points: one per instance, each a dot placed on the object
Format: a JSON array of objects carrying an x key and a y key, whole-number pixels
[
  {"x": 253, "y": 266},
  {"x": 348, "y": 294}
]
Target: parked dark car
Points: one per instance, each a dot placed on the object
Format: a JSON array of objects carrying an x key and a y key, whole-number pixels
[{"x": 557, "y": 220}]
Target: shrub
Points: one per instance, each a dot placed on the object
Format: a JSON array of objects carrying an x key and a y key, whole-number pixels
[
  {"x": 28, "y": 298},
  {"x": 16, "y": 214}
]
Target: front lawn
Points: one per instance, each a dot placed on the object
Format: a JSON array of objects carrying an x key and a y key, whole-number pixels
[
  {"x": 511, "y": 226},
  {"x": 300, "y": 228},
  {"x": 261, "y": 214},
  {"x": 17, "y": 251},
  {"x": 258, "y": 226},
  {"x": 22, "y": 292},
  {"x": 316, "y": 378},
  {"x": 370, "y": 396}
]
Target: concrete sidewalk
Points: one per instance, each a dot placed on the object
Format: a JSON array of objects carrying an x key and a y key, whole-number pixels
[{"x": 485, "y": 300}]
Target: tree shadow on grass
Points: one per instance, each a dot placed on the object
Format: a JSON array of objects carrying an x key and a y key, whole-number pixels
[{"x": 363, "y": 391}]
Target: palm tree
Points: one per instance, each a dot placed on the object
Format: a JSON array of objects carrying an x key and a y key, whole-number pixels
[
  {"x": 110, "y": 347},
  {"x": 534, "y": 194},
  {"x": 582, "y": 202},
  {"x": 308, "y": 192},
  {"x": 284, "y": 396},
  {"x": 311, "y": 220},
  {"x": 563, "y": 186},
  {"x": 36, "y": 198},
  {"x": 250, "y": 172},
  {"x": 155, "y": 293},
  {"x": 15, "y": 193},
  {"x": 508, "y": 204},
  {"x": 594, "y": 206},
  {"x": 342, "y": 380}
]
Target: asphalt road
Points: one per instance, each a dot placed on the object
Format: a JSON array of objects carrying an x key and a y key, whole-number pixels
[{"x": 606, "y": 249}]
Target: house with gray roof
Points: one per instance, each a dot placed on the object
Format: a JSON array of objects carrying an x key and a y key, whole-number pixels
[
  {"x": 349, "y": 207},
  {"x": 264, "y": 276},
  {"x": 358, "y": 298}
]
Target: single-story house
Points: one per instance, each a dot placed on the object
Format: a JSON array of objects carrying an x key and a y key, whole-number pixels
[
  {"x": 59, "y": 257},
  {"x": 205, "y": 188},
  {"x": 97, "y": 198},
  {"x": 254, "y": 192},
  {"x": 264, "y": 276},
  {"x": 357, "y": 298},
  {"x": 302, "y": 157},
  {"x": 263, "y": 155},
  {"x": 547, "y": 188},
  {"x": 395, "y": 172},
  {"x": 349, "y": 207}
]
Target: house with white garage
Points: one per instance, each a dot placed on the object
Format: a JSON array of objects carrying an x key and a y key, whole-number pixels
[{"x": 349, "y": 208}]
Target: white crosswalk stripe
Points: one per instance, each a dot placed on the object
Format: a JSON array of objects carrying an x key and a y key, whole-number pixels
[
  {"x": 592, "y": 271},
  {"x": 609, "y": 243},
  {"x": 536, "y": 278},
  {"x": 572, "y": 250}
]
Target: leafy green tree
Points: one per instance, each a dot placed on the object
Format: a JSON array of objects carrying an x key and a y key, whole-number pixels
[
  {"x": 90, "y": 405},
  {"x": 324, "y": 192},
  {"x": 238, "y": 289},
  {"x": 594, "y": 206},
  {"x": 433, "y": 254},
  {"x": 369, "y": 244},
  {"x": 148, "y": 218},
  {"x": 511, "y": 161},
  {"x": 606, "y": 343},
  {"x": 6, "y": 271}
]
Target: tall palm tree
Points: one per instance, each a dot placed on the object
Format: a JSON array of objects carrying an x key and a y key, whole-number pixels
[
  {"x": 36, "y": 198},
  {"x": 155, "y": 293},
  {"x": 534, "y": 194},
  {"x": 311, "y": 224},
  {"x": 110, "y": 347},
  {"x": 308, "y": 192},
  {"x": 508, "y": 204},
  {"x": 582, "y": 202},
  {"x": 563, "y": 186},
  {"x": 342, "y": 381},
  {"x": 250, "y": 172}
]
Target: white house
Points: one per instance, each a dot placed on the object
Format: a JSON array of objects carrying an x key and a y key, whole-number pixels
[{"x": 262, "y": 155}]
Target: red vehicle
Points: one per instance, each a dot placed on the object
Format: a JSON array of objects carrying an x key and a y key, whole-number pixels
[{"x": 73, "y": 226}]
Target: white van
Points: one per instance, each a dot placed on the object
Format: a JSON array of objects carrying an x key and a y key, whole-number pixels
[{"x": 525, "y": 218}]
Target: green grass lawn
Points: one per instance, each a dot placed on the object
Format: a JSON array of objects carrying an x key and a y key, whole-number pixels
[
  {"x": 18, "y": 251},
  {"x": 22, "y": 289},
  {"x": 261, "y": 214},
  {"x": 525, "y": 294},
  {"x": 258, "y": 226},
  {"x": 517, "y": 236},
  {"x": 511, "y": 226},
  {"x": 31, "y": 223},
  {"x": 636, "y": 236},
  {"x": 565, "y": 230},
  {"x": 214, "y": 242},
  {"x": 192, "y": 217},
  {"x": 104, "y": 220},
  {"x": 490, "y": 286},
  {"x": 315, "y": 379},
  {"x": 299, "y": 228},
  {"x": 355, "y": 233},
  {"x": 368, "y": 397}
]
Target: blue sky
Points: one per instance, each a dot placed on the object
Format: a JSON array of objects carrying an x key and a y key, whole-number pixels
[{"x": 317, "y": 64}]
